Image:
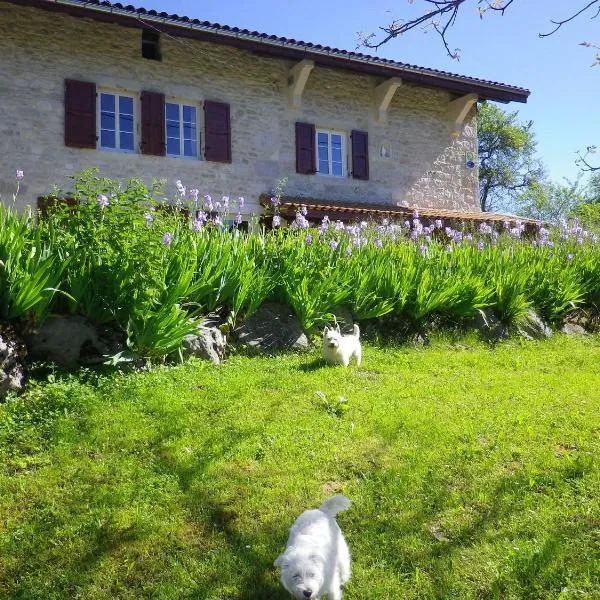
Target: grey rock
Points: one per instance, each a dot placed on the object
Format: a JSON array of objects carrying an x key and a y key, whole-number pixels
[
  {"x": 574, "y": 329},
  {"x": 272, "y": 327},
  {"x": 489, "y": 326},
  {"x": 12, "y": 371},
  {"x": 209, "y": 343},
  {"x": 73, "y": 341},
  {"x": 533, "y": 328}
]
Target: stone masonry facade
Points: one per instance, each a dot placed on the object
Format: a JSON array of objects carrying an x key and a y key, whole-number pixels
[{"x": 414, "y": 159}]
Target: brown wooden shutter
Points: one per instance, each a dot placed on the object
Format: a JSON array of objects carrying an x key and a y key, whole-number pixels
[
  {"x": 305, "y": 149},
  {"x": 80, "y": 114},
  {"x": 217, "y": 132},
  {"x": 153, "y": 123},
  {"x": 360, "y": 155}
]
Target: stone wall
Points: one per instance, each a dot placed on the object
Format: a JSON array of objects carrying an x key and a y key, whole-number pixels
[{"x": 425, "y": 165}]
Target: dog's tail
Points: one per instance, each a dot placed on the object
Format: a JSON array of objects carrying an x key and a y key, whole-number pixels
[
  {"x": 332, "y": 506},
  {"x": 356, "y": 331}
]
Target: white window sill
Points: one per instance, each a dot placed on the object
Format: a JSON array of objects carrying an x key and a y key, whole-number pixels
[
  {"x": 178, "y": 156},
  {"x": 117, "y": 150},
  {"x": 343, "y": 176}
]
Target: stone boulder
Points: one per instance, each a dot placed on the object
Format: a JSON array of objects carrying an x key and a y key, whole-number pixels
[
  {"x": 489, "y": 326},
  {"x": 273, "y": 327},
  {"x": 12, "y": 370},
  {"x": 578, "y": 323},
  {"x": 574, "y": 329},
  {"x": 533, "y": 328},
  {"x": 209, "y": 343},
  {"x": 73, "y": 341}
]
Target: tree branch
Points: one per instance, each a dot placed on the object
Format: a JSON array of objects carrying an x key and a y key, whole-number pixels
[
  {"x": 582, "y": 160},
  {"x": 559, "y": 24},
  {"x": 442, "y": 16}
]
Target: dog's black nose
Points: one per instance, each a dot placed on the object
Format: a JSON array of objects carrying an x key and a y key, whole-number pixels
[{"x": 307, "y": 593}]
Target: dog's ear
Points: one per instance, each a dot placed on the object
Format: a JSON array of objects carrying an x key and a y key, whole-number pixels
[
  {"x": 325, "y": 331},
  {"x": 280, "y": 562},
  {"x": 337, "y": 326}
]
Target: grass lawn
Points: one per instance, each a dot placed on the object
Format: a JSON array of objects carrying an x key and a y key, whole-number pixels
[{"x": 474, "y": 473}]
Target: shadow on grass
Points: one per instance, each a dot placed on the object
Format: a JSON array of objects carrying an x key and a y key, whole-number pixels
[
  {"x": 540, "y": 567},
  {"x": 314, "y": 365}
]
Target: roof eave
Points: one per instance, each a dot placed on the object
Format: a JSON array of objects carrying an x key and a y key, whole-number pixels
[{"x": 274, "y": 47}]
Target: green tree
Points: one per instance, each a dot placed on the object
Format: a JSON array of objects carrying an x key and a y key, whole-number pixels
[
  {"x": 507, "y": 158},
  {"x": 549, "y": 201},
  {"x": 594, "y": 188}
]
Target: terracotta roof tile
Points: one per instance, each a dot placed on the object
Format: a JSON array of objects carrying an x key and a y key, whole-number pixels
[
  {"x": 486, "y": 89},
  {"x": 346, "y": 210}
]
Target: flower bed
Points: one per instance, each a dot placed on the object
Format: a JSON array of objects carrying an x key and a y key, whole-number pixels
[{"x": 117, "y": 255}]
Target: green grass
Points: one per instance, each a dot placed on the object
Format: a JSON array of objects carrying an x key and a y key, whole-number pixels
[{"x": 473, "y": 474}]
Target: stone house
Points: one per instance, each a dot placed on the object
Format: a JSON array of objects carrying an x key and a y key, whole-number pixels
[{"x": 231, "y": 112}]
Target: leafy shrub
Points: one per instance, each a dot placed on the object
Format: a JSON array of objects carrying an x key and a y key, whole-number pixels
[{"x": 121, "y": 254}]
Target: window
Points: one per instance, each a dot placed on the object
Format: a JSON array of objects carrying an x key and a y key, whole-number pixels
[
  {"x": 182, "y": 130},
  {"x": 116, "y": 122},
  {"x": 150, "y": 45},
  {"x": 331, "y": 153}
]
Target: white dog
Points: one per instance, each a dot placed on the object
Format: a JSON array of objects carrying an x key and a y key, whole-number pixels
[
  {"x": 338, "y": 349},
  {"x": 316, "y": 560}
]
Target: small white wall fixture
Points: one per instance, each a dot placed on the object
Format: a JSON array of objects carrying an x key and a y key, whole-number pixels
[
  {"x": 457, "y": 112},
  {"x": 384, "y": 93},
  {"x": 297, "y": 78}
]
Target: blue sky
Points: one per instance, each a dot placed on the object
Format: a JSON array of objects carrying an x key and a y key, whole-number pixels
[{"x": 565, "y": 90}]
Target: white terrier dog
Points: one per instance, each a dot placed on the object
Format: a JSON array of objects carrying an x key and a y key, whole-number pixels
[
  {"x": 338, "y": 349},
  {"x": 316, "y": 560}
]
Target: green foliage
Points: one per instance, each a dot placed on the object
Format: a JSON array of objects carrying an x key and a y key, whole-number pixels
[
  {"x": 507, "y": 162},
  {"x": 552, "y": 202},
  {"x": 29, "y": 273},
  {"x": 121, "y": 256},
  {"x": 383, "y": 282},
  {"x": 508, "y": 274},
  {"x": 311, "y": 281}
]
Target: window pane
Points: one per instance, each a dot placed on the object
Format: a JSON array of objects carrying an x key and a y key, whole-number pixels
[
  {"x": 336, "y": 154},
  {"x": 126, "y": 123},
  {"x": 173, "y": 129},
  {"x": 107, "y": 139},
  {"x": 126, "y": 141},
  {"x": 107, "y": 121},
  {"x": 337, "y": 169},
  {"x": 189, "y": 132},
  {"x": 322, "y": 138},
  {"x": 336, "y": 140},
  {"x": 173, "y": 146},
  {"x": 107, "y": 103},
  {"x": 189, "y": 148},
  {"x": 189, "y": 114},
  {"x": 172, "y": 111},
  {"x": 125, "y": 105},
  {"x": 323, "y": 153},
  {"x": 324, "y": 167}
]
